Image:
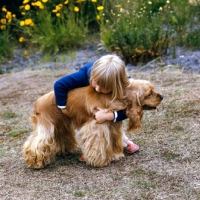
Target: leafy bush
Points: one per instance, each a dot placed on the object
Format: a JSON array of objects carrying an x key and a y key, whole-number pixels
[
  {"x": 138, "y": 30},
  {"x": 53, "y": 35},
  {"x": 6, "y": 49},
  {"x": 142, "y": 30},
  {"x": 53, "y": 28},
  {"x": 193, "y": 39}
]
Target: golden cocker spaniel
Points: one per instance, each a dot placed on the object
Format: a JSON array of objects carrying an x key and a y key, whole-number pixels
[{"x": 54, "y": 133}]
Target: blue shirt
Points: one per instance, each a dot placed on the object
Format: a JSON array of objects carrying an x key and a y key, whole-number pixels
[{"x": 75, "y": 80}]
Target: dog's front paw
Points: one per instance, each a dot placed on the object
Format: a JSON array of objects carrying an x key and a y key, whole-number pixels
[{"x": 117, "y": 157}]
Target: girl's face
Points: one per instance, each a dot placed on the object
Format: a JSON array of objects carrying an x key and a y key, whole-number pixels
[{"x": 99, "y": 89}]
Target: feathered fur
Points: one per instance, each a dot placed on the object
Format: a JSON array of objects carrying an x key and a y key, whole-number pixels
[{"x": 55, "y": 133}]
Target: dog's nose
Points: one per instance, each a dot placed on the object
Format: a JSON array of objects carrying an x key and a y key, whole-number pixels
[{"x": 161, "y": 97}]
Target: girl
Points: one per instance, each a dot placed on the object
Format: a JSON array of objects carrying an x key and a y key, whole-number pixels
[{"x": 106, "y": 75}]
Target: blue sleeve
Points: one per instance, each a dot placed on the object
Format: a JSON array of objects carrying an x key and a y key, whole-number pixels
[
  {"x": 121, "y": 115},
  {"x": 69, "y": 82}
]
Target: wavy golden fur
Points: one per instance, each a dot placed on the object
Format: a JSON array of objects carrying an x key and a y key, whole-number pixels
[{"x": 54, "y": 133}]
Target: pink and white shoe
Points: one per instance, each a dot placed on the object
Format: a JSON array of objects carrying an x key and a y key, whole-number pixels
[{"x": 131, "y": 147}]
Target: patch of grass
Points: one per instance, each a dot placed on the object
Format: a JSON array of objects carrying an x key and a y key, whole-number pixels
[
  {"x": 179, "y": 128},
  {"x": 138, "y": 171},
  {"x": 79, "y": 193},
  {"x": 2, "y": 152},
  {"x": 16, "y": 133},
  {"x": 8, "y": 115},
  {"x": 165, "y": 167},
  {"x": 171, "y": 156},
  {"x": 145, "y": 184}
]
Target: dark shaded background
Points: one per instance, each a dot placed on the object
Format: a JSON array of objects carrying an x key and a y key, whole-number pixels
[{"x": 11, "y": 5}]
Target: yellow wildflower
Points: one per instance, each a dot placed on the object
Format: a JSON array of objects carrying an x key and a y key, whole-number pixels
[
  {"x": 21, "y": 39},
  {"x": 79, "y": 1},
  {"x": 22, "y": 23},
  {"x": 3, "y": 27},
  {"x": 14, "y": 16},
  {"x": 31, "y": 23},
  {"x": 4, "y": 9},
  {"x": 23, "y": 13},
  {"x": 26, "y": 53},
  {"x": 58, "y": 14},
  {"x": 3, "y": 21},
  {"x": 100, "y": 8},
  {"x": 8, "y": 15},
  {"x": 98, "y": 17},
  {"x": 58, "y": 7},
  {"x": 41, "y": 6},
  {"x": 66, "y": 2},
  {"x": 38, "y": 3},
  {"x": 9, "y": 20},
  {"x": 118, "y": 6},
  {"x": 94, "y": 1},
  {"x": 21, "y": 7},
  {"x": 28, "y": 21},
  {"x": 76, "y": 9},
  {"x": 54, "y": 10},
  {"x": 25, "y": 1},
  {"x": 44, "y": 1},
  {"x": 27, "y": 7}
]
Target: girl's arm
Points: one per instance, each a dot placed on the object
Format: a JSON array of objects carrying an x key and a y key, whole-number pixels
[
  {"x": 119, "y": 115},
  {"x": 102, "y": 116},
  {"x": 71, "y": 81}
]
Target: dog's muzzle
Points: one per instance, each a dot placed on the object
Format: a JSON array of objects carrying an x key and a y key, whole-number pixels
[{"x": 146, "y": 107}]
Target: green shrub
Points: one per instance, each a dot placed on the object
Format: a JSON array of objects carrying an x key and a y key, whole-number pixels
[
  {"x": 55, "y": 35},
  {"x": 137, "y": 35},
  {"x": 138, "y": 30},
  {"x": 193, "y": 39},
  {"x": 53, "y": 28},
  {"x": 143, "y": 30},
  {"x": 6, "y": 49}
]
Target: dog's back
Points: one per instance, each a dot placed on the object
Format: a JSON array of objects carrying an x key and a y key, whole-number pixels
[{"x": 82, "y": 103}]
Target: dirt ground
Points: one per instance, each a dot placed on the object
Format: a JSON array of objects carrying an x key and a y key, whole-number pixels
[{"x": 167, "y": 167}]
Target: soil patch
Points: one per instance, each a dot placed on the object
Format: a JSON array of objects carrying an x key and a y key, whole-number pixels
[{"x": 166, "y": 167}]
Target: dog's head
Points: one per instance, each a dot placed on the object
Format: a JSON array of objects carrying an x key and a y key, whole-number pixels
[{"x": 140, "y": 95}]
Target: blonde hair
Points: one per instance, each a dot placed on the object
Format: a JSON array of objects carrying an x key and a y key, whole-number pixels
[{"x": 110, "y": 74}]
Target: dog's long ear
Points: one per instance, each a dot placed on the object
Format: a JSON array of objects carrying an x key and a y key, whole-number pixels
[{"x": 134, "y": 112}]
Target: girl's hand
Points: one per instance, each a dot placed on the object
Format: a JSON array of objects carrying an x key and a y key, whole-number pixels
[{"x": 103, "y": 115}]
